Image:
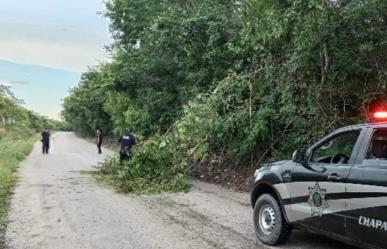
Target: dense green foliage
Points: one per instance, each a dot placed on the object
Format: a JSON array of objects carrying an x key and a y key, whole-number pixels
[{"x": 246, "y": 80}]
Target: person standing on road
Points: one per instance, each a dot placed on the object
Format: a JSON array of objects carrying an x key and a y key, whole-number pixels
[
  {"x": 99, "y": 141},
  {"x": 127, "y": 141},
  {"x": 45, "y": 141}
]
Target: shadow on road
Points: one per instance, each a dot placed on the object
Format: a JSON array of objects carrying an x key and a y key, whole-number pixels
[{"x": 301, "y": 239}]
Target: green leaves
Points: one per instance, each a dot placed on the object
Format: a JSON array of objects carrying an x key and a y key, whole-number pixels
[
  {"x": 156, "y": 167},
  {"x": 244, "y": 81}
]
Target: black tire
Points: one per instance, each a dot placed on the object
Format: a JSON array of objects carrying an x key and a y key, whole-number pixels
[{"x": 272, "y": 230}]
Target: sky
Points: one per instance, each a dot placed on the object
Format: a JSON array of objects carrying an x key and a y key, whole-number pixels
[{"x": 48, "y": 44}]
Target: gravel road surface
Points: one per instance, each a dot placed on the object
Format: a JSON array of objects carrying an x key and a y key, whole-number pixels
[{"x": 57, "y": 204}]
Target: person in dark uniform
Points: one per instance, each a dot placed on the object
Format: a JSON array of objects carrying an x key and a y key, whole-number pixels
[
  {"x": 99, "y": 141},
  {"x": 45, "y": 140},
  {"x": 127, "y": 141}
]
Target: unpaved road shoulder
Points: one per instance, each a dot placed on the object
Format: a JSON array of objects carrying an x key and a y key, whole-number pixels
[{"x": 57, "y": 205}]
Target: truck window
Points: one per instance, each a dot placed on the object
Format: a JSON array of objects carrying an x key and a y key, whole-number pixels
[
  {"x": 336, "y": 150},
  {"x": 377, "y": 149}
]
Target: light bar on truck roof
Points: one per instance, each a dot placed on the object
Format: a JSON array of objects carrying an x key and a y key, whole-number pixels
[{"x": 380, "y": 115}]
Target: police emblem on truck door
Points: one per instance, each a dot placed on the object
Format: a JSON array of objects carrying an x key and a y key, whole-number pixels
[{"x": 317, "y": 200}]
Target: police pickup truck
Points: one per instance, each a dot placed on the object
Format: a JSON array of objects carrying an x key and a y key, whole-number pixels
[{"x": 338, "y": 188}]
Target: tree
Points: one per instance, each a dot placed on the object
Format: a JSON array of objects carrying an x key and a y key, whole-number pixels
[{"x": 245, "y": 81}]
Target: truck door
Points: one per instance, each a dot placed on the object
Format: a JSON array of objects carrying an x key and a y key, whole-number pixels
[
  {"x": 316, "y": 189},
  {"x": 367, "y": 192}
]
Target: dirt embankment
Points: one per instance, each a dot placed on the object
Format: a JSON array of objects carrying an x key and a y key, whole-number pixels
[{"x": 230, "y": 175}]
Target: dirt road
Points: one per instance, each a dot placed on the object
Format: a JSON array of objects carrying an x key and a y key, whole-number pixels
[{"x": 57, "y": 204}]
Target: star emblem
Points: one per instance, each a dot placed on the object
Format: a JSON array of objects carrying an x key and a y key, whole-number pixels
[{"x": 317, "y": 200}]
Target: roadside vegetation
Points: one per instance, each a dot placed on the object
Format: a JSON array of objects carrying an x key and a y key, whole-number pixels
[
  {"x": 218, "y": 87},
  {"x": 18, "y": 133},
  {"x": 15, "y": 144}
]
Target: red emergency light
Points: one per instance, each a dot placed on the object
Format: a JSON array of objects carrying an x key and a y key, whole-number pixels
[
  {"x": 376, "y": 107},
  {"x": 379, "y": 116}
]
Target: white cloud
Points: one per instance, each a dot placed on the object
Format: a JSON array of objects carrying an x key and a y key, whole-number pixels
[
  {"x": 71, "y": 56},
  {"x": 58, "y": 34},
  {"x": 53, "y": 113},
  {"x": 66, "y": 34}
]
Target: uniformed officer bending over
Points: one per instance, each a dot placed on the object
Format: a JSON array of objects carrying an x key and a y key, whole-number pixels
[
  {"x": 127, "y": 141},
  {"x": 45, "y": 141}
]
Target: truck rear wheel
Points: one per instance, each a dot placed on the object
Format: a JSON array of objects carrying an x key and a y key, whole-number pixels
[{"x": 270, "y": 225}]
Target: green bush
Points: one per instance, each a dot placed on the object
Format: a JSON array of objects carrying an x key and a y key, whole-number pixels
[{"x": 154, "y": 168}]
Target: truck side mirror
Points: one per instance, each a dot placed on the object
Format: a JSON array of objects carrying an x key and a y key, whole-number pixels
[{"x": 299, "y": 157}]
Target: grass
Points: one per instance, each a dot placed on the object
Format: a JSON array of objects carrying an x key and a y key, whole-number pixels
[{"x": 15, "y": 145}]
